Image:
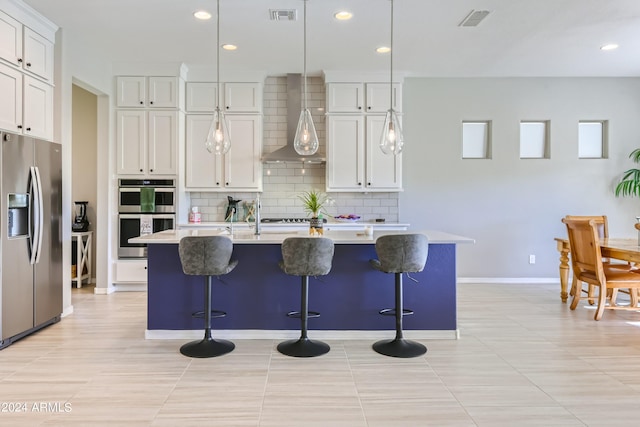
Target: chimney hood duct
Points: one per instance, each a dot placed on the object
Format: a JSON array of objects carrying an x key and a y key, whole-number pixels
[{"x": 294, "y": 106}]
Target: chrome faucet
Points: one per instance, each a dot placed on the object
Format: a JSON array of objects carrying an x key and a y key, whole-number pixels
[
  {"x": 257, "y": 215},
  {"x": 230, "y": 218}
]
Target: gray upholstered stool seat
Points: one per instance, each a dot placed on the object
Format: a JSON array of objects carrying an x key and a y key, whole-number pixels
[
  {"x": 206, "y": 256},
  {"x": 398, "y": 254},
  {"x": 305, "y": 256}
]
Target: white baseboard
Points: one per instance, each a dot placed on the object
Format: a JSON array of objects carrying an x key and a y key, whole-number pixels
[
  {"x": 130, "y": 287},
  {"x": 526, "y": 280},
  {"x": 67, "y": 311},
  {"x": 258, "y": 334},
  {"x": 104, "y": 291}
]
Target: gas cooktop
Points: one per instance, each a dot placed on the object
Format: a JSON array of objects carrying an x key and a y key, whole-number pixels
[{"x": 287, "y": 220}]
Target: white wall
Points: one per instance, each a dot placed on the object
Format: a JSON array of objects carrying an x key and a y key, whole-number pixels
[{"x": 512, "y": 206}]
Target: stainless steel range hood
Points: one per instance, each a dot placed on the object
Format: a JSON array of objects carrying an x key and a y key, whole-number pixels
[{"x": 294, "y": 106}]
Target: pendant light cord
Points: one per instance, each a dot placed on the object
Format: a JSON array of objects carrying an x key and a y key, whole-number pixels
[
  {"x": 218, "y": 54},
  {"x": 391, "y": 62},
  {"x": 304, "y": 61}
]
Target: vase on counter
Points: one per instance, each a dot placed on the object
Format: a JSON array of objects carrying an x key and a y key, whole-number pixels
[{"x": 315, "y": 226}]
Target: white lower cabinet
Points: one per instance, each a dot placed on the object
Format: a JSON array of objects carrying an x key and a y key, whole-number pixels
[
  {"x": 239, "y": 170},
  {"x": 131, "y": 271},
  {"x": 354, "y": 159}
]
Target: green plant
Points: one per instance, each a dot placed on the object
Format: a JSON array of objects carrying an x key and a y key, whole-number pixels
[
  {"x": 629, "y": 184},
  {"x": 313, "y": 202}
]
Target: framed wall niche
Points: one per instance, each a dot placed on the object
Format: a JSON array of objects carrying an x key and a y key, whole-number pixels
[
  {"x": 592, "y": 139},
  {"x": 476, "y": 139},
  {"x": 534, "y": 139}
]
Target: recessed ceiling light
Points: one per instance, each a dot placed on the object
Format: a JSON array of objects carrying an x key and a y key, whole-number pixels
[
  {"x": 610, "y": 46},
  {"x": 343, "y": 15},
  {"x": 202, "y": 14},
  {"x": 383, "y": 49},
  {"x": 229, "y": 46}
]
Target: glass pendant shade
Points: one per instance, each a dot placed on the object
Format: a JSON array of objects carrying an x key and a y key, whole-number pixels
[
  {"x": 392, "y": 140},
  {"x": 218, "y": 141},
  {"x": 306, "y": 139}
]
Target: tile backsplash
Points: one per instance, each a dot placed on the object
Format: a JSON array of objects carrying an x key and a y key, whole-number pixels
[{"x": 283, "y": 183}]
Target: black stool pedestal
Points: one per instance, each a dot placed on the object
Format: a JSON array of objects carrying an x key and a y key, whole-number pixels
[{"x": 303, "y": 347}]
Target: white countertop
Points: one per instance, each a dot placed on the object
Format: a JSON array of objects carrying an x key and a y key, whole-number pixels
[
  {"x": 276, "y": 237},
  {"x": 329, "y": 224}
]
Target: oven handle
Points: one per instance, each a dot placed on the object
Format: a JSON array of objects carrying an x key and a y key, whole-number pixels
[
  {"x": 137, "y": 189},
  {"x": 155, "y": 215}
]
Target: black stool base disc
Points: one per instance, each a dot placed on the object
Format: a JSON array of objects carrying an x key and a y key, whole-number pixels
[
  {"x": 303, "y": 347},
  {"x": 207, "y": 348},
  {"x": 399, "y": 348}
]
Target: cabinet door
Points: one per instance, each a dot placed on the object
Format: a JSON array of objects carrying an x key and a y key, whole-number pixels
[
  {"x": 10, "y": 39},
  {"x": 243, "y": 167},
  {"x": 131, "y": 142},
  {"x": 163, "y": 142},
  {"x": 11, "y": 95},
  {"x": 345, "y": 153},
  {"x": 384, "y": 172},
  {"x": 38, "y": 54},
  {"x": 345, "y": 97},
  {"x": 163, "y": 92},
  {"x": 38, "y": 109},
  {"x": 378, "y": 97},
  {"x": 131, "y": 91},
  {"x": 201, "y": 96},
  {"x": 243, "y": 97},
  {"x": 203, "y": 170}
]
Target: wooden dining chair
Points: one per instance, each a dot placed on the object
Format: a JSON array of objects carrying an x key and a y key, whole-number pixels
[
  {"x": 588, "y": 267},
  {"x": 602, "y": 225}
]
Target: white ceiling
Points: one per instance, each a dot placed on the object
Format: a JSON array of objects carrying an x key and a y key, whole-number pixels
[{"x": 518, "y": 38}]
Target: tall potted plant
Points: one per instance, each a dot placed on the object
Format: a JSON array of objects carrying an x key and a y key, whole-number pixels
[
  {"x": 629, "y": 184},
  {"x": 313, "y": 202}
]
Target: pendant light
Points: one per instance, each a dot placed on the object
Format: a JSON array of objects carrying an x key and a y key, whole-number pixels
[
  {"x": 218, "y": 141},
  {"x": 392, "y": 140},
  {"x": 306, "y": 140}
]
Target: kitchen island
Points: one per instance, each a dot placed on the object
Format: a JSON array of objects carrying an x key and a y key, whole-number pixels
[{"x": 257, "y": 295}]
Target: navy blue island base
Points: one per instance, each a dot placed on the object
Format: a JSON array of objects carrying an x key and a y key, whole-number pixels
[{"x": 257, "y": 294}]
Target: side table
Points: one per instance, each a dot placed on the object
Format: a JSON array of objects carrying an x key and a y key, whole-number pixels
[{"x": 83, "y": 256}]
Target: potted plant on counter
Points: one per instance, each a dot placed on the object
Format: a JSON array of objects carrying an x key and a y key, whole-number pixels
[{"x": 313, "y": 202}]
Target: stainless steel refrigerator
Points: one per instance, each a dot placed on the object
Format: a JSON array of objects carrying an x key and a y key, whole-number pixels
[{"x": 31, "y": 229}]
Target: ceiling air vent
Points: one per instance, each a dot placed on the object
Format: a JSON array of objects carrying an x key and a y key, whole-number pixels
[
  {"x": 282, "y": 14},
  {"x": 474, "y": 18}
]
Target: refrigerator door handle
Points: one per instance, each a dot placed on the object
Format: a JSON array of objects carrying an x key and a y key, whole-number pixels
[
  {"x": 34, "y": 229},
  {"x": 40, "y": 214}
]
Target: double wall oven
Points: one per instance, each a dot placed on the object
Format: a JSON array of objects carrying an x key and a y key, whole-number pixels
[{"x": 145, "y": 206}]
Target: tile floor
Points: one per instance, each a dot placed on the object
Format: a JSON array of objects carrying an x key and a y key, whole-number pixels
[{"x": 523, "y": 359}]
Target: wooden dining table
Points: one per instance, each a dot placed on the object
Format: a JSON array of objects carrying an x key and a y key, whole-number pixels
[{"x": 615, "y": 248}]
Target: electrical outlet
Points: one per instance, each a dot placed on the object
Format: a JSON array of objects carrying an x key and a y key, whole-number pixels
[{"x": 532, "y": 259}]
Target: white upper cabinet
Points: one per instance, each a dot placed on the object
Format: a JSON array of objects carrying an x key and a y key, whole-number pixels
[
  {"x": 355, "y": 120},
  {"x": 37, "y": 110},
  {"x": 202, "y": 97},
  {"x": 378, "y": 97},
  {"x": 27, "y": 104},
  {"x": 26, "y": 49},
  {"x": 147, "y": 142},
  {"x": 362, "y": 97},
  {"x": 243, "y": 97},
  {"x": 11, "y": 105},
  {"x": 239, "y": 170},
  {"x": 345, "y": 98},
  {"x": 10, "y": 39},
  {"x": 38, "y": 54},
  {"x": 148, "y": 92}
]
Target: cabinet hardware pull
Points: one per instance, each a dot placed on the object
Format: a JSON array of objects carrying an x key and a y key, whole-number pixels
[
  {"x": 151, "y": 102},
  {"x": 19, "y": 126},
  {"x": 359, "y": 107},
  {"x": 369, "y": 107},
  {"x": 19, "y": 59},
  {"x": 150, "y": 170},
  {"x": 28, "y": 129},
  {"x": 140, "y": 170},
  {"x": 28, "y": 64},
  {"x": 141, "y": 103}
]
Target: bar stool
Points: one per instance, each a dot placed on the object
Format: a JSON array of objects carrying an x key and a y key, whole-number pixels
[
  {"x": 400, "y": 253},
  {"x": 305, "y": 256},
  {"x": 207, "y": 256}
]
